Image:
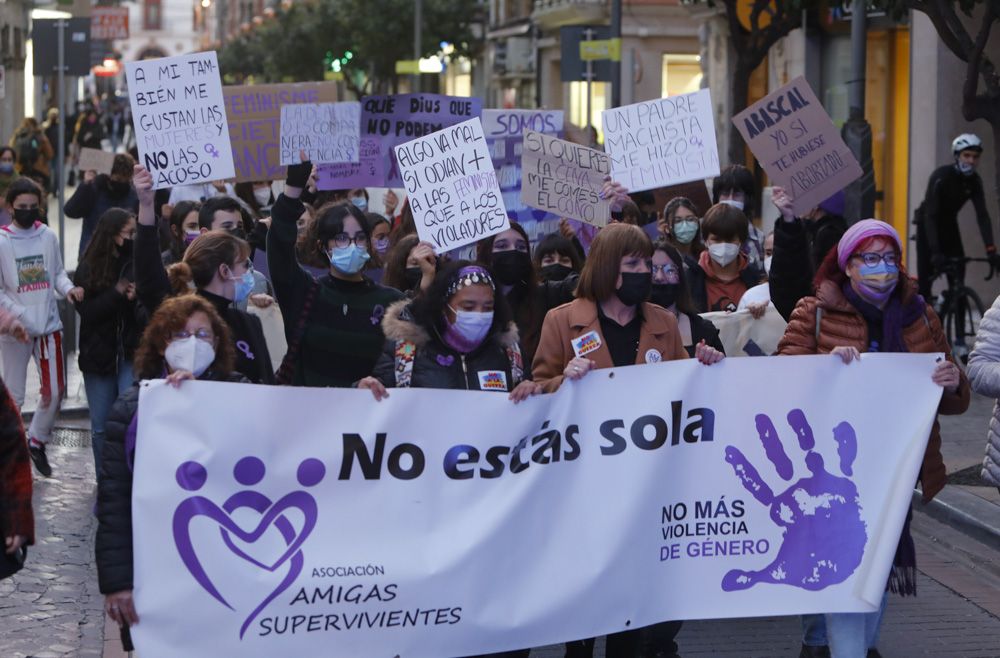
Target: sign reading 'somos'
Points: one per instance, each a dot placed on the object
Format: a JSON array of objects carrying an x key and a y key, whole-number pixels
[{"x": 180, "y": 119}]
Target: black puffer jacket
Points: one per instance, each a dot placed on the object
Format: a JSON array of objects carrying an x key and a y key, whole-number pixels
[
  {"x": 113, "y": 546},
  {"x": 110, "y": 324},
  {"x": 495, "y": 365}
]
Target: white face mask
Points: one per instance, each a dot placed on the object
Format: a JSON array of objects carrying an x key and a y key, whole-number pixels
[
  {"x": 767, "y": 264},
  {"x": 191, "y": 354},
  {"x": 262, "y": 195},
  {"x": 723, "y": 253},
  {"x": 965, "y": 168},
  {"x": 734, "y": 203}
]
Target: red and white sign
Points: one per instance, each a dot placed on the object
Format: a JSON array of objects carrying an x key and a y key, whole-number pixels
[{"x": 107, "y": 23}]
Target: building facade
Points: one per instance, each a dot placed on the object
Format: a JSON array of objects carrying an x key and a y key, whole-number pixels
[{"x": 14, "y": 35}]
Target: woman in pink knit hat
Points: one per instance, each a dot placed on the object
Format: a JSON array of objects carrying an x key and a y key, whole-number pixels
[{"x": 866, "y": 302}]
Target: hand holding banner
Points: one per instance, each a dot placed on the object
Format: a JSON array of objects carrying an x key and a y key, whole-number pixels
[
  {"x": 180, "y": 120},
  {"x": 796, "y": 143},
  {"x": 452, "y": 186}
]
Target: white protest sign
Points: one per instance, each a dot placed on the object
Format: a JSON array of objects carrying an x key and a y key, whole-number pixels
[
  {"x": 387, "y": 532},
  {"x": 96, "y": 160},
  {"x": 452, "y": 186},
  {"x": 662, "y": 142},
  {"x": 564, "y": 178},
  {"x": 327, "y": 132},
  {"x": 180, "y": 119}
]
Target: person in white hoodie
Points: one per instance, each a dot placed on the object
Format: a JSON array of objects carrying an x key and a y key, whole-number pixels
[{"x": 31, "y": 273}]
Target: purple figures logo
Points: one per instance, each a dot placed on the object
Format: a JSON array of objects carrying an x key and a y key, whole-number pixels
[
  {"x": 249, "y": 471},
  {"x": 824, "y": 534}
]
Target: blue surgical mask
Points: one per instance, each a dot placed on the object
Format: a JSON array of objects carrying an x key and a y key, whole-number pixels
[
  {"x": 349, "y": 259},
  {"x": 360, "y": 202},
  {"x": 685, "y": 230},
  {"x": 6, "y": 167},
  {"x": 244, "y": 285}
]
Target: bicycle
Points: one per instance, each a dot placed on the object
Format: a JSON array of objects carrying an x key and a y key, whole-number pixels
[{"x": 959, "y": 306}]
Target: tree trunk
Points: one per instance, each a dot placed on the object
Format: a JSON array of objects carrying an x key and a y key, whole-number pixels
[{"x": 739, "y": 90}]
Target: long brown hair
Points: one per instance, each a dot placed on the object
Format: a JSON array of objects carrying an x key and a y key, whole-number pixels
[{"x": 169, "y": 318}]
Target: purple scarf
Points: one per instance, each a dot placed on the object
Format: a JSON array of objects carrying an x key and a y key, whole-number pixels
[{"x": 894, "y": 317}]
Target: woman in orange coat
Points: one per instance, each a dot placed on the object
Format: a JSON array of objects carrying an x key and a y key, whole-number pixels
[
  {"x": 610, "y": 324},
  {"x": 865, "y": 302}
]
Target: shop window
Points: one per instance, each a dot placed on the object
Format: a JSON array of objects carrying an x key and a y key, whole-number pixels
[{"x": 681, "y": 74}]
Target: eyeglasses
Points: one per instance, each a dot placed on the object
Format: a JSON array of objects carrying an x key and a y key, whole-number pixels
[
  {"x": 872, "y": 258},
  {"x": 342, "y": 240},
  {"x": 201, "y": 334}
]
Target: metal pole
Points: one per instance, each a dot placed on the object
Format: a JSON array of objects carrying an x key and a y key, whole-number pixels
[
  {"x": 418, "y": 20},
  {"x": 859, "y": 199},
  {"x": 616, "y": 67},
  {"x": 61, "y": 155},
  {"x": 589, "y": 36}
]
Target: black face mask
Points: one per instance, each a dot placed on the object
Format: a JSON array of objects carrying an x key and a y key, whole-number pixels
[
  {"x": 635, "y": 287},
  {"x": 664, "y": 294},
  {"x": 26, "y": 217},
  {"x": 555, "y": 272},
  {"x": 511, "y": 267},
  {"x": 118, "y": 188},
  {"x": 125, "y": 249},
  {"x": 237, "y": 232},
  {"x": 412, "y": 277}
]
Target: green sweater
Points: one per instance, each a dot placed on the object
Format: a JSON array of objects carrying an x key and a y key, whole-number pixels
[{"x": 342, "y": 337}]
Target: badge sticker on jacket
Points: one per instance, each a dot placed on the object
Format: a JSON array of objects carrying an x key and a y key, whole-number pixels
[
  {"x": 653, "y": 356},
  {"x": 586, "y": 343},
  {"x": 492, "y": 380}
]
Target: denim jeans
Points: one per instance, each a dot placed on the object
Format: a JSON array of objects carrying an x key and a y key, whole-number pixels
[
  {"x": 848, "y": 634},
  {"x": 102, "y": 391}
]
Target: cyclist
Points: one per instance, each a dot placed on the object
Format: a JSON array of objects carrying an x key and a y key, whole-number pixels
[{"x": 938, "y": 237}]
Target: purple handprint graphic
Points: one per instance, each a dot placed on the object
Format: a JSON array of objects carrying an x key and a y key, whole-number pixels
[
  {"x": 824, "y": 534},
  {"x": 191, "y": 476}
]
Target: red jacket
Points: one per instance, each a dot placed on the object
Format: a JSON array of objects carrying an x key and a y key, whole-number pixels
[{"x": 15, "y": 473}]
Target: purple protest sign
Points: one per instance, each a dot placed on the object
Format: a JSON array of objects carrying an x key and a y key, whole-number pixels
[{"x": 388, "y": 121}]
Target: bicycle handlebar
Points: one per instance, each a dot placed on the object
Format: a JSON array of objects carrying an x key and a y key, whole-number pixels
[{"x": 955, "y": 261}]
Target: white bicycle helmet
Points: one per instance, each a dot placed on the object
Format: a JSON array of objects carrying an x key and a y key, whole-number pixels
[{"x": 966, "y": 142}]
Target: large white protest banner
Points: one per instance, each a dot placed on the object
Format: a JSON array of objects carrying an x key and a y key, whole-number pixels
[
  {"x": 180, "y": 119},
  {"x": 662, "y": 142},
  {"x": 326, "y": 132},
  {"x": 451, "y": 523},
  {"x": 452, "y": 186}
]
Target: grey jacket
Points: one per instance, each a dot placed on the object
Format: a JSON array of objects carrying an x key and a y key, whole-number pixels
[{"x": 984, "y": 374}]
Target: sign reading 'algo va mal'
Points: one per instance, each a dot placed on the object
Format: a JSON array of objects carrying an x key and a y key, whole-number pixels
[{"x": 655, "y": 492}]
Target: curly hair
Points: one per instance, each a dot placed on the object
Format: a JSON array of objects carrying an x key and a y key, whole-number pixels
[
  {"x": 100, "y": 258},
  {"x": 169, "y": 318}
]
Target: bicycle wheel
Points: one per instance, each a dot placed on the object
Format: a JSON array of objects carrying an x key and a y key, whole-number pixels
[{"x": 974, "y": 311}]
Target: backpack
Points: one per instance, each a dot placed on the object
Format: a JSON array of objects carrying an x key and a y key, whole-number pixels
[{"x": 26, "y": 146}]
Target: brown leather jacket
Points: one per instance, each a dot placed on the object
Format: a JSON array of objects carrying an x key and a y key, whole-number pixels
[
  {"x": 659, "y": 340},
  {"x": 842, "y": 325}
]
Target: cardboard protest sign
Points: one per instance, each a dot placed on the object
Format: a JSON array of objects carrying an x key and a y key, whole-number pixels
[
  {"x": 180, "y": 120},
  {"x": 326, "y": 132},
  {"x": 505, "y": 131},
  {"x": 662, "y": 142},
  {"x": 96, "y": 160},
  {"x": 796, "y": 143},
  {"x": 565, "y": 179},
  {"x": 452, "y": 186},
  {"x": 254, "y": 113},
  {"x": 387, "y": 121}
]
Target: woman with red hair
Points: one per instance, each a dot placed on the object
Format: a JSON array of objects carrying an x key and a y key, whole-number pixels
[{"x": 866, "y": 302}]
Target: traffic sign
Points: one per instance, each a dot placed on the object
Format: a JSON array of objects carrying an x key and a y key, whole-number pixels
[{"x": 601, "y": 49}]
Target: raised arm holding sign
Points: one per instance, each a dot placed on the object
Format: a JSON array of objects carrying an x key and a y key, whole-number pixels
[{"x": 180, "y": 119}]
